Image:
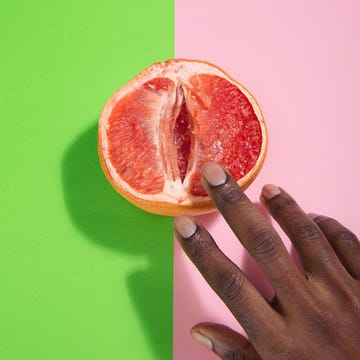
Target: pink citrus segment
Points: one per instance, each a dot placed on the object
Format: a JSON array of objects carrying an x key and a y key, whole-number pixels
[
  {"x": 228, "y": 128},
  {"x": 132, "y": 146}
]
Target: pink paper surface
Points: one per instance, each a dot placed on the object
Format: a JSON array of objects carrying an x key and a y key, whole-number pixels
[{"x": 301, "y": 61}]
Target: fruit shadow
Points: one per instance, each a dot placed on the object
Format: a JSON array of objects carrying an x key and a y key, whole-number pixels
[{"x": 110, "y": 221}]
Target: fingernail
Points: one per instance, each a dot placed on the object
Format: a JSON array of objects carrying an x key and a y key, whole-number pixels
[
  {"x": 214, "y": 174},
  {"x": 185, "y": 226},
  {"x": 269, "y": 191},
  {"x": 200, "y": 338}
]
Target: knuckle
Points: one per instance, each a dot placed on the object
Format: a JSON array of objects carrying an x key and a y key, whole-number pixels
[
  {"x": 235, "y": 355},
  {"x": 344, "y": 237},
  {"x": 320, "y": 319},
  {"x": 200, "y": 247},
  {"x": 318, "y": 316},
  {"x": 282, "y": 202},
  {"x": 325, "y": 258},
  {"x": 231, "y": 285},
  {"x": 229, "y": 194},
  {"x": 287, "y": 285},
  {"x": 324, "y": 220},
  {"x": 264, "y": 245},
  {"x": 321, "y": 322},
  {"x": 307, "y": 232}
]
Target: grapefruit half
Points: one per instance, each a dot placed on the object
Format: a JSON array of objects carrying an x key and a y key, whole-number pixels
[{"x": 158, "y": 131}]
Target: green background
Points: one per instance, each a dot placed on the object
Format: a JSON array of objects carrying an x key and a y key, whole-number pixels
[{"x": 84, "y": 274}]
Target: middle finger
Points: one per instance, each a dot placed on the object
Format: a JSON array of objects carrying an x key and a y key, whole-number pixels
[{"x": 254, "y": 232}]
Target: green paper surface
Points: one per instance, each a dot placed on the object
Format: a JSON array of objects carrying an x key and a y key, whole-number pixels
[{"x": 84, "y": 274}]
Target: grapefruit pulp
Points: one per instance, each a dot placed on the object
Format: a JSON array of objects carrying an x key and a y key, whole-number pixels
[{"x": 158, "y": 131}]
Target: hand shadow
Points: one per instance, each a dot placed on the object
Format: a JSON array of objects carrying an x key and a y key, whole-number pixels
[{"x": 110, "y": 221}]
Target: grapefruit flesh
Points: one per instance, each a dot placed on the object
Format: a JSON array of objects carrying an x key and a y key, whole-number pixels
[{"x": 159, "y": 130}]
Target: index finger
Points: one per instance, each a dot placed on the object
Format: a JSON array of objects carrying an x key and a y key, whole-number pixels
[
  {"x": 226, "y": 279},
  {"x": 254, "y": 232}
]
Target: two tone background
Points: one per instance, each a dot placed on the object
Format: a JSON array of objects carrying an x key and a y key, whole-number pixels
[{"x": 83, "y": 274}]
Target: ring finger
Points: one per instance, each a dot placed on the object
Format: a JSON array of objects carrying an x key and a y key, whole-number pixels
[
  {"x": 343, "y": 241},
  {"x": 317, "y": 256}
]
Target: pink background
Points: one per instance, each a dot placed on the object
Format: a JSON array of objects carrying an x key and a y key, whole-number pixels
[{"x": 301, "y": 61}]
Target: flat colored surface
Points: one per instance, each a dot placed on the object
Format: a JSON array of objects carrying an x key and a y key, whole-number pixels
[
  {"x": 83, "y": 274},
  {"x": 300, "y": 60},
  {"x": 79, "y": 267}
]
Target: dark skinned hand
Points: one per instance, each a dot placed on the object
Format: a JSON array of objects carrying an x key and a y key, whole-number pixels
[{"x": 315, "y": 315}]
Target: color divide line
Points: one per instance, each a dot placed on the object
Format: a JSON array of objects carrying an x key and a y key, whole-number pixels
[{"x": 284, "y": 53}]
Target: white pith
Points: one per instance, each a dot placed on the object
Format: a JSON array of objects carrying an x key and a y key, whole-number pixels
[{"x": 178, "y": 71}]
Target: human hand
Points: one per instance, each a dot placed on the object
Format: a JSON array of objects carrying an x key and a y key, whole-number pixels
[{"x": 315, "y": 315}]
